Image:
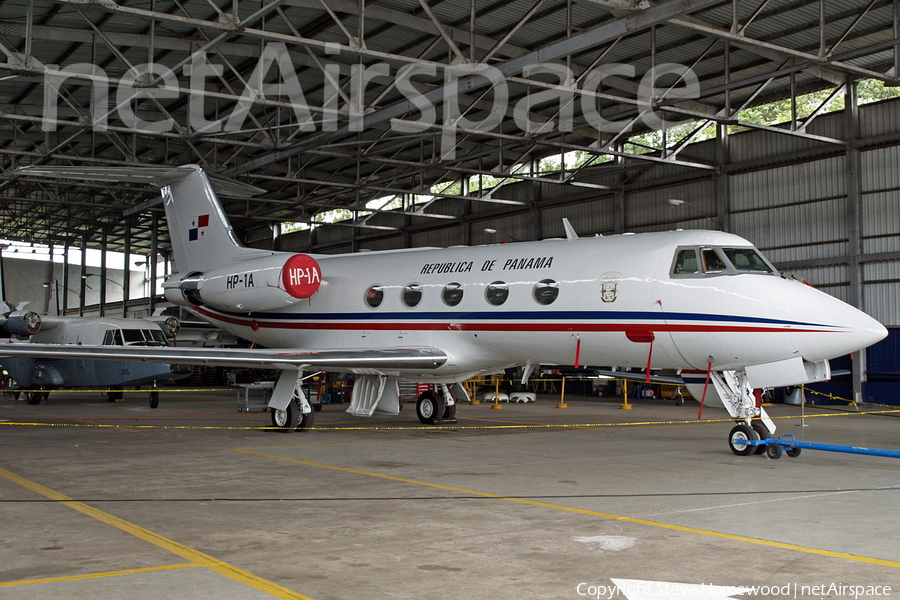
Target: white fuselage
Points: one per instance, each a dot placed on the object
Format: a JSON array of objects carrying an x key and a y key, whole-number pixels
[{"x": 589, "y": 301}]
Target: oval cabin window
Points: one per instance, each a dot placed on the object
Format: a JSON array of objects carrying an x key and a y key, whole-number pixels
[
  {"x": 546, "y": 291},
  {"x": 412, "y": 295},
  {"x": 375, "y": 296},
  {"x": 452, "y": 294},
  {"x": 497, "y": 293}
]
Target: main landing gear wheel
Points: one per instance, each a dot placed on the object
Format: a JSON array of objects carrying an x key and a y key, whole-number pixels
[
  {"x": 113, "y": 395},
  {"x": 429, "y": 408},
  {"x": 35, "y": 397},
  {"x": 742, "y": 433},
  {"x": 763, "y": 432},
  {"x": 287, "y": 419},
  {"x": 291, "y": 419},
  {"x": 154, "y": 399}
]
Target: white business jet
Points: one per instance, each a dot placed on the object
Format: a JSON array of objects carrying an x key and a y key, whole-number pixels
[{"x": 686, "y": 300}]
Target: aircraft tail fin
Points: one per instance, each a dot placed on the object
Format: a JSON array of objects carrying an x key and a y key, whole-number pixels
[{"x": 202, "y": 237}]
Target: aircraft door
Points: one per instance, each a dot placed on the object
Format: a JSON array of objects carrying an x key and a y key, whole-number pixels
[
  {"x": 665, "y": 351},
  {"x": 691, "y": 317}
]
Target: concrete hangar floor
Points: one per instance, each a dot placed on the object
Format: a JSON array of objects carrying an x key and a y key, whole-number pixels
[{"x": 115, "y": 500}]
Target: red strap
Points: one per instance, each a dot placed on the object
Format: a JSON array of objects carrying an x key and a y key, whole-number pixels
[
  {"x": 705, "y": 386},
  {"x": 649, "y": 358}
]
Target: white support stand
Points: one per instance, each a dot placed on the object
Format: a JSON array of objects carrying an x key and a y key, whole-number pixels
[{"x": 374, "y": 392}]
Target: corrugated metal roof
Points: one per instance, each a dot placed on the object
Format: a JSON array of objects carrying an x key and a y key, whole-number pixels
[{"x": 334, "y": 169}]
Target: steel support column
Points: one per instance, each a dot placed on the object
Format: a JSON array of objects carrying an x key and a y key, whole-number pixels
[
  {"x": 126, "y": 279},
  {"x": 65, "y": 279},
  {"x": 723, "y": 187},
  {"x": 853, "y": 221},
  {"x": 103, "y": 271},
  {"x": 152, "y": 258},
  {"x": 52, "y": 285},
  {"x": 619, "y": 196},
  {"x": 536, "y": 229},
  {"x": 82, "y": 279}
]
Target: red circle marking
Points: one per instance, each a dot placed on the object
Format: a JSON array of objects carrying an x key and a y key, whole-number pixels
[{"x": 301, "y": 276}]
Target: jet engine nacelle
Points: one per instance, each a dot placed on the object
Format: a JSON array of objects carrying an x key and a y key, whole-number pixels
[
  {"x": 258, "y": 284},
  {"x": 21, "y": 322},
  {"x": 169, "y": 325}
]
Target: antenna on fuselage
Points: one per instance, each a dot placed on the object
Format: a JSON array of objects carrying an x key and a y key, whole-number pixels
[{"x": 570, "y": 231}]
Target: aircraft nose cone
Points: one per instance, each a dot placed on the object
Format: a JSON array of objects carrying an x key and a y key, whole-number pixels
[{"x": 828, "y": 328}]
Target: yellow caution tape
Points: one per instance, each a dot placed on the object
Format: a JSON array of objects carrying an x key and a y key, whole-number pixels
[
  {"x": 849, "y": 402},
  {"x": 830, "y": 396},
  {"x": 434, "y": 427}
]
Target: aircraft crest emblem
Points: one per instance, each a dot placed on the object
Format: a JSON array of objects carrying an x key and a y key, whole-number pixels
[{"x": 609, "y": 286}]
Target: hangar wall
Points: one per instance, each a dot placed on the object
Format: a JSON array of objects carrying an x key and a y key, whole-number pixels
[{"x": 24, "y": 281}]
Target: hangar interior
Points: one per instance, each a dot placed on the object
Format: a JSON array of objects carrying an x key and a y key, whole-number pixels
[
  {"x": 389, "y": 124},
  {"x": 780, "y": 142}
]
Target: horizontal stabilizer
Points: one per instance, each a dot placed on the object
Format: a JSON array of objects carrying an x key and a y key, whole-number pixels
[{"x": 150, "y": 175}]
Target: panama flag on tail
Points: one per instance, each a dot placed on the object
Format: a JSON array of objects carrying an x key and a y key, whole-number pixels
[{"x": 198, "y": 228}]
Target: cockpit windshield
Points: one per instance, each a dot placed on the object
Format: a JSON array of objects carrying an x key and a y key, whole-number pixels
[
  {"x": 712, "y": 261},
  {"x": 134, "y": 337},
  {"x": 747, "y": 259},
  {"x": 686, "y": 262},
  {"x": 706, "y": 260}
]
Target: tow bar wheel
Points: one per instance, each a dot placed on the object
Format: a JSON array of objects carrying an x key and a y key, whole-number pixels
[{"x": 737, "y": 437}]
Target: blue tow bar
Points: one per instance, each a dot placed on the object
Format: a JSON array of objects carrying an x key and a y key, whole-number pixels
[{"x": 791, "y": 446}]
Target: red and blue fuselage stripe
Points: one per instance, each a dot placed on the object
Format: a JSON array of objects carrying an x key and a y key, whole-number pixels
[{"x": 514, "y": 321}]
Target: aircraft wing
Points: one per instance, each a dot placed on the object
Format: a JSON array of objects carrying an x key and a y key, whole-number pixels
[
  {"x": 639, "y": 377},
  {"x": 348, "y": 360}
]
